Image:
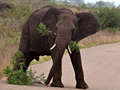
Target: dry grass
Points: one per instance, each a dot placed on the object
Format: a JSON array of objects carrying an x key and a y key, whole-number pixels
[
  {"x": 5, "y": 55},
  {"x": 101, "y": 37},
  {"x": 10, "y": 30}
]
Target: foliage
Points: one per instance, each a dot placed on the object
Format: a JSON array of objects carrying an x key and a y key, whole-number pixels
[
  {"x": 21, "y": 77},
  {"x": 20, "y": 56},
  {"x": 21, "y": 9},
  {"x": 102, "y": 4},
  {"x": 74, "y": 46},
  {"x": 41, "y": 78},
  {"x": 43, "y": 30},
  {"x": 111, "y": 29},
  {"x": 108, "y": 17}
]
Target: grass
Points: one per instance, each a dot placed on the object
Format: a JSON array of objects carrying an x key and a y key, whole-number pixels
[
  {"x": 43, "y": 59},
  {"x": 5, "y": 55},
  {"x": 101, "y": 37}
]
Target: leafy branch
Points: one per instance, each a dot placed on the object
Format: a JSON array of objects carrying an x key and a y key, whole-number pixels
[
  {"x": 21, "y": 77},
  {"x": 74, "y": 46},
  {"x": 43, "y": 30}
]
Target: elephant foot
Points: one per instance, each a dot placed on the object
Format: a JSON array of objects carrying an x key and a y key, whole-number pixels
[
  {"x": 82, "y": 85},
  {"x": 57, "y": 84}
]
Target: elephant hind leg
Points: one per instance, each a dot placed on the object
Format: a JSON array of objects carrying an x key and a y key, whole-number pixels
[{"x": 29, "y": 57}]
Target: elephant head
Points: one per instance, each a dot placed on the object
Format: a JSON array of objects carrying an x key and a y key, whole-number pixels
[{"x": 66, "y": 26}]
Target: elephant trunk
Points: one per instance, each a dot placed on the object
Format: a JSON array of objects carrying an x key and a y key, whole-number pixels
[{"x": 61, "y": 44}]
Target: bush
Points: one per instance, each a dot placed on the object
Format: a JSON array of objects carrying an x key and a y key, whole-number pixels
[
  {"x": 111, "y": 29},
  {"x": 108, "y": 17},
  {"x": 21, "y": 77},
  {"x": 21, "y": 9}
]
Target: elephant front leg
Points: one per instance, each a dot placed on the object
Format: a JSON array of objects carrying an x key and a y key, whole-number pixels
[
  {"x": 57, "y": 78},
  {"x": 77, "y": 65},
  {"x": 58, "y": 74}
]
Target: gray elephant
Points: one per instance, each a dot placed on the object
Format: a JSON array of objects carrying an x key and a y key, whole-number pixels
[{"x": 64, "y": 26}]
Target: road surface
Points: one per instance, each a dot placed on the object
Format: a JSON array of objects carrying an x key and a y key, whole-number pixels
[{"x": 101, "y": 66}]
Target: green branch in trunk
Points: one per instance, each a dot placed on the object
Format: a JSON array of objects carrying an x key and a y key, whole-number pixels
[
  {"x": 74, "y": 46},
  {"x": 43, "y": 30}
]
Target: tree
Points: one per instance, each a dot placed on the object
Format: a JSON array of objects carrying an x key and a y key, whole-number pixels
[
  {"x": 109, "y": 4},
  {"x": 102, "y": 4},
  {"x": 89, "y": 4},
  {"x": 108, "y": 17},
  {"x": 118, "y": 6},
  {"x": 99, "y": 4}
]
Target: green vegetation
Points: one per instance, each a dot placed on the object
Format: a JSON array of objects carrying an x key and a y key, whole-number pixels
[
  {"x": 21, "y": 77},
  {"x": 96, "y": 44},
  {"x": 22, "y": 9},
  {"x": 74, "y": 46},
  {"x": 112, "y": 30},
  {"x": 43, "y": 30},
  {"x": 43, "y": 59},
  {"x": 108, "y": 18}
]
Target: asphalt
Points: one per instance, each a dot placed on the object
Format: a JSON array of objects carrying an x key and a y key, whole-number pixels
[{"x": 101, "y": 66}]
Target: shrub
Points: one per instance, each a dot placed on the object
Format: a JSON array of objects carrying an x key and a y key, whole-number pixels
[
  {"x": 21, "y": 77},
  {"x": 21, "y": 9},
  {"x": 108, "y": 17},
  {"x": 111, "y": 29}
]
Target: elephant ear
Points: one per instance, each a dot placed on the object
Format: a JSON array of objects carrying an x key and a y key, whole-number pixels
[
  {"x": 50, "y": 18},
  {"x": 87, "y": 25}
]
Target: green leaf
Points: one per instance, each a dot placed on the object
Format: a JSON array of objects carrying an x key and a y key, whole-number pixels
[
  {"x": 74, "y": 46},
  {"x": 43, "y": 30},
  {"x": 20, "y": 77}
]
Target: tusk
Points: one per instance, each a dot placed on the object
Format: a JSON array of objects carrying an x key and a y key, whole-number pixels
[
  {"x": 73, "y": 12},
  {"x": 69, "y": 50},
  {"x": 53, "y": 47}
]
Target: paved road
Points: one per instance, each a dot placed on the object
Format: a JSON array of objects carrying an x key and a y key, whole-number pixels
[{"x": 101, "y": 66}]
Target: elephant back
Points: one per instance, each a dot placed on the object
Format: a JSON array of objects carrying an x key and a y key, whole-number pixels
[{"x": 30, "y": 37}]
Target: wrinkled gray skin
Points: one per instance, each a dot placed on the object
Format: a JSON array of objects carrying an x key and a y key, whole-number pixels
[{"x": 65, "y": 26}]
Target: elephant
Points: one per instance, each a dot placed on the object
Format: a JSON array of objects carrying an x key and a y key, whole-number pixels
[{"x": 64, "y": 26}]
